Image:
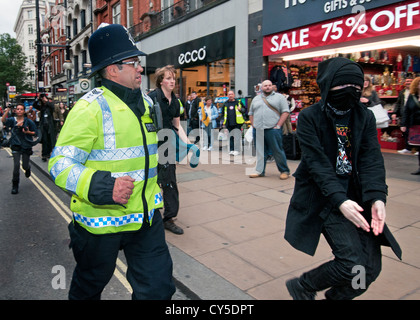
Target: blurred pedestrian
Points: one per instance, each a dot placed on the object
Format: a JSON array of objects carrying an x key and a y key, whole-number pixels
[
  {"x": 369, "y": 96},
  {"x": 193, "y": 115},
  {"x": 411, "y": 117},
  {"x": 399, "y": 111},
  {"x": 21, "y": 142},
  {"x": 340, "y": 189},
  {"x": 268, "y": 112},
  {"x": 46, "y": 125},
  {"x": 233, "y": 119},
  {"x": 208, "y": 113}
]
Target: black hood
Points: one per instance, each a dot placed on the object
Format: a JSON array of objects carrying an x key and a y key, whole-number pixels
[{"x": 328, "y": 69}]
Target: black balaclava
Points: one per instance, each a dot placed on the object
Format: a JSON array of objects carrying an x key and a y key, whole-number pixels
[{"x": 346, "y": 98}]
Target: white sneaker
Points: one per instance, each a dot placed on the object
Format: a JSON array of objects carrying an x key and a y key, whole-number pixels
[
  {"x": 204, "y": 148},
  {"x": 231, "y": 152},
  {"x": 235, "y": 153},
  {"x": 210, "y": 148},
  {"x": 404, "y": 151},
  {"x": 417, "y": 153}
]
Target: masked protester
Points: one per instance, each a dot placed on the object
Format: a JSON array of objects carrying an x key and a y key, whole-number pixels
[{"x": 340, "y": 189}]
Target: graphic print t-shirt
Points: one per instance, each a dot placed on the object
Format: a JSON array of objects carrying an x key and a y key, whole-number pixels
[{"x": 343, "y": 165}]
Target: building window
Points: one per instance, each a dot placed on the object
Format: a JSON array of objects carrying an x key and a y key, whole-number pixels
[
  {"x": 31, "y": 60},
  {"x": 30, "y": 14},
  {"x": 76, "y": 66},
  {"x": 83, "y": 18},
  {"x": 75, "y": 27},
  {"x": 30, "y": 29},
  {"x": 116, "y": 13},
  {"x": 31, "y": 44},
  {"x": 130, "y": 19},
  {"x": 84, "y": 61}
]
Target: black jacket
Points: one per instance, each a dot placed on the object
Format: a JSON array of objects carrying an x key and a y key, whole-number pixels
[
  {"x": 318, "y": 190},
  {"x": 411, "y": 115}
]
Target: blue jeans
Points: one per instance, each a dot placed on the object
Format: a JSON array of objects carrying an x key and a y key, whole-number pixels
[
  {"x": 352, "y": 247},
  {"x": 270, "y": 139}
]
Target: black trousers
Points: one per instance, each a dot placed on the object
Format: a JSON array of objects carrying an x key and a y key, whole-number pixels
[
  {"x": 149, "y": 262},
  {"x": 47, "y": 140},
  {"x": 170, "y": 193},
  {"x": 357, "y": 262},
  {"x": 16, "y": 163}
]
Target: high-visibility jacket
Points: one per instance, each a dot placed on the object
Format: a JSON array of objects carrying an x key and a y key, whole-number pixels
[
  {"x": 239, "y": 115},
  {"x": 102, "y": 133}
]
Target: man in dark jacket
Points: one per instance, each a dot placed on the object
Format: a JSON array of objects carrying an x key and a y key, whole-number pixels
[
  {"x": 340, "y": 188},
  {"x": 193, "y": 114},
  {"x": 46, "y": 125}
]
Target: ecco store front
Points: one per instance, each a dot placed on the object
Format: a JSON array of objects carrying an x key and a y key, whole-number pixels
[
  {"x": 383, "y": 36},
  {"x": 205, "y": 65}
]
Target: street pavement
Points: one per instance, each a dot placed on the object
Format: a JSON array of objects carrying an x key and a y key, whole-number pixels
[{"x": 233, "y": 246}]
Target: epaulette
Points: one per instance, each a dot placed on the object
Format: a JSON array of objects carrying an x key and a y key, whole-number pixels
[{"x": 92, "y": 95}]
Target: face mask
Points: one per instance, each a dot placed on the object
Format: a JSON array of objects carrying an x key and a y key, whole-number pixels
[{"x": 344, "y": 99}]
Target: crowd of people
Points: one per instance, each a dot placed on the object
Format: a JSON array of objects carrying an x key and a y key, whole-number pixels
[
  {"x": 119, "y": 186},
  {"x": 23, "y": 127}
]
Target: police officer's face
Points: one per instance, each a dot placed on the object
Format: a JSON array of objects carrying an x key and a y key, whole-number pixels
[{"x": 129, "y": 75}]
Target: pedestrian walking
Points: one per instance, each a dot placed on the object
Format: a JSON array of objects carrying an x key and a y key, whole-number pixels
[
  {"x": 411, "y": 118},
  {"x": 267, "y": 113},
  {"x": 233, "y": 119},
  {"x": 340, "y": 189},
  {"x": 106, "y": 156},
  {"x": 46, "y": 125},
  {"x": 193, "y": 115},
  {"x": 21, "y": 142},
  {"x": 399, "y": 111},
  {"x": 170, "y": 106},
  {"x": 208, "y": 114}
]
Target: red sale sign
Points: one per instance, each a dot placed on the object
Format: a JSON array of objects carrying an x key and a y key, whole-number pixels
[{"x": 365, "y": 24}]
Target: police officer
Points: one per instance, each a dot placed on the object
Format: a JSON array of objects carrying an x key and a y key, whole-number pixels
[{"x": 106, "y": 155}]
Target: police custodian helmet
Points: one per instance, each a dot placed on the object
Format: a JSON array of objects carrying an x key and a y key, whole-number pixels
[{"x": 109, "y": 44}]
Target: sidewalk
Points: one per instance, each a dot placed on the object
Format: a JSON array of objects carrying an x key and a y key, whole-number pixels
[{"x": 233, "y": 245}]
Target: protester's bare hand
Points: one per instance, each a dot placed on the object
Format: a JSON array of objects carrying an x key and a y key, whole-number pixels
[
  {"x": 123, "y": 189},
  {"x": 351, "y": 210},
  {"x": 378, "y": 217}
]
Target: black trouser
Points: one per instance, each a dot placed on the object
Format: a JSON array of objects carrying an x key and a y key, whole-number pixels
[
  {"x": 47, "y": 140},
  {"x": 234, "y": 140},
  {"x": 16, "y": 163},
  {"x": 149, "y": 262},
  {"x": 167, "y": 181},
  {"x": 357, "y": 254}
]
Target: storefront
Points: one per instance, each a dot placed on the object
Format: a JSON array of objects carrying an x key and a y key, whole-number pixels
[
  {"x": 205, "y": 65},
  {"x": 381, "y": 35}
]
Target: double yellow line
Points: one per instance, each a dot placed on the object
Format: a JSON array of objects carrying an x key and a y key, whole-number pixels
[{"x": 67, "y": 215}]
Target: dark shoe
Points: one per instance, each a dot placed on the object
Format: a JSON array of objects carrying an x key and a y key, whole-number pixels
[
  {"x": 298, "y": 292},
  {"x": 171, "y": 226},
  {"x": 15, "y": 188},
  {"x": 44, "y": 159},
  {"x": 28, "y": 173},
  {"x": 416, "y": 173}
]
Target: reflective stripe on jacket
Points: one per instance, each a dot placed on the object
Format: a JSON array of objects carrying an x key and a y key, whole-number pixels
[
  {"x": 239, "y": 115},
  {"x": 102, "y": 133}
]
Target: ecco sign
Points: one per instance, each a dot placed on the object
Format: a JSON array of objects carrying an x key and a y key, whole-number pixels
[{"x": 192, "y": 56}]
